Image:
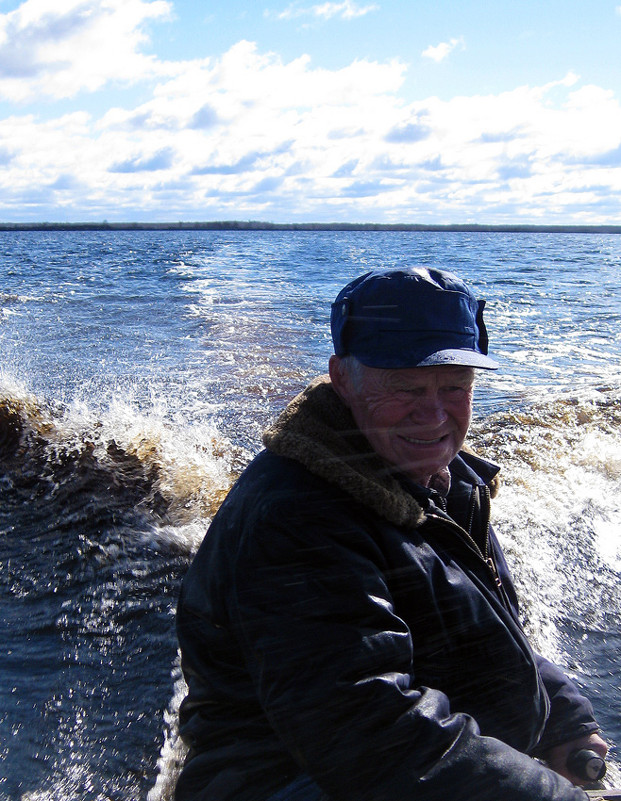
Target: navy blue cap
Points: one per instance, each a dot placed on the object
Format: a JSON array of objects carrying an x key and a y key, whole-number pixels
[{"x": 410, "y": 317}]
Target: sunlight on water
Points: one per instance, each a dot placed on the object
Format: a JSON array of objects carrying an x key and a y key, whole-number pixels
[
  {"x": 608, "y": 533},
  {"x": 173, "y": 751}
]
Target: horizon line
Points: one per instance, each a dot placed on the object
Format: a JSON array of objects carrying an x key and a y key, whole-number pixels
[{"x": 255, "y": 225}]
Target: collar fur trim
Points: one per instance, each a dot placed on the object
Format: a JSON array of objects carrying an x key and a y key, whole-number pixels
[{"x": 318, "y": 430}]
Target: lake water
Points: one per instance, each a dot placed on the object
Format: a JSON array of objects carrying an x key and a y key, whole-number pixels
[{"x": 137, "y": 372}]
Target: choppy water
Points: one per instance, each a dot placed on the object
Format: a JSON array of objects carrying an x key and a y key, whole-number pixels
[{"x": 137, "y": 371}]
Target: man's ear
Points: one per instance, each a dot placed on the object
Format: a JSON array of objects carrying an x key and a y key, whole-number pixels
[{"x": 340, "y": 378}]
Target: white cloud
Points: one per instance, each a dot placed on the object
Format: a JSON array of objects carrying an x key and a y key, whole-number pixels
[
  {"x": 346, "y": 10},
  {"x": 251, "y": 136},
  {"x": 58, "y": 48},
  {"x": 443, "y": 50},
  {"x": 244, "y": 82}
]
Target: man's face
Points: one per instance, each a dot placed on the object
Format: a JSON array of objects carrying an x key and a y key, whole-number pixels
[{"x": 415, "y": 418}]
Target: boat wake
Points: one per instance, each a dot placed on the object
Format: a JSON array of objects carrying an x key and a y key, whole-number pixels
[{"x": 99, "y": 517}]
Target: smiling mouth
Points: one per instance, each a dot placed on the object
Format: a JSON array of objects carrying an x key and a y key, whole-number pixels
[{"x": 414, "y": 441}]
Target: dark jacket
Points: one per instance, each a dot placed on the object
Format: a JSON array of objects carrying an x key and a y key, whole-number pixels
[{"x": 341, "y": 622}]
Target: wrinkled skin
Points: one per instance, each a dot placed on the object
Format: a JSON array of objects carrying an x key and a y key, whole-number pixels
[{"x": 415, "y": 418}]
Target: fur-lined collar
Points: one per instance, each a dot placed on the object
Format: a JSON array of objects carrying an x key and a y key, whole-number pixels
[{"x": 318, "y": 430}]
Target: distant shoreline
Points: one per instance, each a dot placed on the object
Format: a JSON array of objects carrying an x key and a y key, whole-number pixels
[{"x": 233, "y": 225}]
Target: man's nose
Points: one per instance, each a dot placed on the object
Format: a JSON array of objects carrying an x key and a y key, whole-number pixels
[{"x": 429, "y": 410}]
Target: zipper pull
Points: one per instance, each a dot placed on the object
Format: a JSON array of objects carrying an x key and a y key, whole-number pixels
[{"x": 490, "y": 563}]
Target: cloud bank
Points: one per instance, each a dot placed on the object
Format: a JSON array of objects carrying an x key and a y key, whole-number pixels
[{"x": 249, "y": 135}]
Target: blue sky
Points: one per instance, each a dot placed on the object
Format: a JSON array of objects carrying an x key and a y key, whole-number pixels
[{"x": 352, "y": 110}]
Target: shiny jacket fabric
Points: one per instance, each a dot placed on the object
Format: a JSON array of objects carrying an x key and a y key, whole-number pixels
[{"x": 340, "y": 622}]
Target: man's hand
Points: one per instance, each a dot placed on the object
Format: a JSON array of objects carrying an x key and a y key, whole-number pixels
[{"x": 556, "y": 758}]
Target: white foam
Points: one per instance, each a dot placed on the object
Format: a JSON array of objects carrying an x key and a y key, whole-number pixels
[
  {"x": 558, "y": 513},
  {"x": 173, "y": 750}
]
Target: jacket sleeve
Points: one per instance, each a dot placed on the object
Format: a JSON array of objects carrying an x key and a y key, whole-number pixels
[
  {"x": 333, "y": 669},
  {"x": 571, "y": 715}
]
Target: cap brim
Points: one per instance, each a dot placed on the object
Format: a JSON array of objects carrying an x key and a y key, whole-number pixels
[
  {"x": 402, "y": 360},
  {"x": 459, "y": 358}
]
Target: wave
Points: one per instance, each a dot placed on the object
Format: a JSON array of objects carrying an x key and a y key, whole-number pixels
[
  {"x": 121, "y": 463},
  {"x": 560, "y": 505},
  {"x": 100, "y": 514},
  {"x": 558, "y": 515}
]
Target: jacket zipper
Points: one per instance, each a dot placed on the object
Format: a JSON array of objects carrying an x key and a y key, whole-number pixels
[{"x": 485, "y": 556}]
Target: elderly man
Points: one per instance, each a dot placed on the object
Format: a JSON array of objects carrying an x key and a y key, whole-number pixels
[{"x": 349, "y": 628}]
